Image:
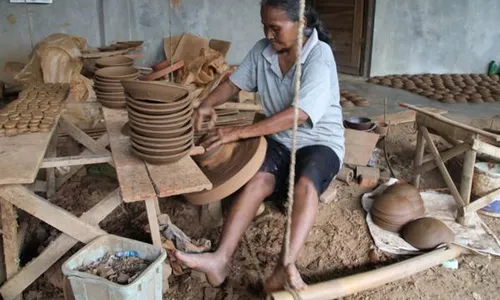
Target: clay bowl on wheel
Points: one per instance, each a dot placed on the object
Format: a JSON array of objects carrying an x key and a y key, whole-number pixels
[
  {"x": 158, "y": 160},
  {"x": 154, "y": 151},
  {"x": 150, "y": 108},
  {"x": 427, "y": 233},
  {"x": 396, "y": 206},
  {"x": 114, "y": 61},
  {"x": 229, "y": 176},
  {"x": 155, "y": 91},
  {"x": 117, "y": 73},
  {"x": 171, "y": 133},
  {"x": 359, "y": 123}
]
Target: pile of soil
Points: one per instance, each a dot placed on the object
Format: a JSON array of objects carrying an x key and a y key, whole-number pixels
[
  {"x": 447, "y": 88},
  {"x": 117, "y": 269}
]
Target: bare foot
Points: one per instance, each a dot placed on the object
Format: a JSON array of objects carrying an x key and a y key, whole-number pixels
[
  {"x": 210, "y": 264},
  {"x": 283, "y": 275}
]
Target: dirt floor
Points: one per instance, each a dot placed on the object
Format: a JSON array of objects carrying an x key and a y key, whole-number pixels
[{"x": 339, "y": 243}]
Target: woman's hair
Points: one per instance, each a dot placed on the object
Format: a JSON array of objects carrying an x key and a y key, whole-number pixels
[{"x": 291, "y": 7}]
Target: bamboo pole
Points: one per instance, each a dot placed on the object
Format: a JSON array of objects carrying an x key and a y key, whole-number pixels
[{"x": 345, "y": 286}]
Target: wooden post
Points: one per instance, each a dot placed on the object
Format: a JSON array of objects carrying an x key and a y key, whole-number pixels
[
  {"x": 10, "y": 242},
  {"x": 466, "y": 183},
  {"x": 419, "y": 154},
  {"x": 51, "y": 172},
  {"x": 153, "y": 222}
]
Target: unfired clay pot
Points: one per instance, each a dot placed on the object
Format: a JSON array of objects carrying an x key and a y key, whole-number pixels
[
  {"x": 396, "y": 206},
  {"x": 165, "y": 108},
  {"x": 113, "y": 73},
  {"x": 159, "y": 141},
  {"x": 113, "y": 104},
  {"x": 427, "y": 233},
  {"x": 114, "y": 61},
  {"x": 162, "y": 119},
  {"x": 171, "y": 133},
  {"x": 155, "y": 91},
  {"x": 168, "y": 159}
]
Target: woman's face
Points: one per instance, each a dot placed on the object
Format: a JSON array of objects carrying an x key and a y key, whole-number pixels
[{"x": 278, "y": 28}]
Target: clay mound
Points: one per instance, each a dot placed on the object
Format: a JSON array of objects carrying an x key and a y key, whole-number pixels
[
  {"x": 427, "y": 233},
  {"x": 396, "y": 206}
]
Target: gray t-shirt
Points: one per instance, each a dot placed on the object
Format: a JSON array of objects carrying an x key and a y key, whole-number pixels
[{"x": 319, "y": 93}]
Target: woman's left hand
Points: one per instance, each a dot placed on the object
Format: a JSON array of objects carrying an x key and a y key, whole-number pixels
[{"x": 218, "y": 137}]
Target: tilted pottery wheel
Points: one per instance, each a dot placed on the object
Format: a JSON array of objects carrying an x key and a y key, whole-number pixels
[
  {"x": 229, "y": 168},
  {"x": 427, "y": 233},
  {"x": 397, "y": 205}
]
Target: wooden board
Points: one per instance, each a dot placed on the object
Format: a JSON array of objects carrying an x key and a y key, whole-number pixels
[
  {"x": 179, "y": 178},
  {"x": 131, "y": 171},
  {"x": 406, "y": 116},
  {"x": 22, "y": 155},
  {"x": 359, "y": 146}
]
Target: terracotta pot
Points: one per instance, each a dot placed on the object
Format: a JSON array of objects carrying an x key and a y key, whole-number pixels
[
  {"x": 244, "y": 163},
  {"x": 114, "y": 61},
  {"x": 461, "y": 99},
  {"x": 427, "y": 233},
  {"x": 114, "y": 73},
  {"x": 173, "y": 133},
  {"x": 155, "y": 91},
  {"x": 396, "y": 206},
  {"x": 381, "y": 129},
  {"x": 152, "y": 159}
]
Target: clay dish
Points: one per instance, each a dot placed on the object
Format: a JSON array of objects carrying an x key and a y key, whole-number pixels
[
  {"x": 112, "y": 98},
  {"x": 150, "y": 108},
  {"x": 109, "y": 94},
  {"x": 176, "y": 140},
  {"x": 154, "y": 151},
  {"x": 396, "y": 206},
  {"x": 114, "y": 81},
  {"x": 161, "y": 118},
  {"x": 156, "y": 91},
  {"x": 181, "y": 141},
  {"x": 153, "y": 127},
  {"x": 117, "y": 73},
  {"x": 427, "y": 233},
  {"x": 157, "y": 160},
  {"x": 159, "y": 105},
  {"x": 166, "y": 121},
  {"x": 173, "y": 133},
  {"x": 245, "y": 161},
  {"x": 108, "y": 88},
  {"x": 358, "y": 123},
  {"x": 113, "y": 104},
  {"x": 113, "y": 61}
]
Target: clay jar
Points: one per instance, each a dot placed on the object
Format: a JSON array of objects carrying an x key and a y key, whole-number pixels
[
  {"x": 396, "y": 206},
  {"x": 427, "y": 233}
]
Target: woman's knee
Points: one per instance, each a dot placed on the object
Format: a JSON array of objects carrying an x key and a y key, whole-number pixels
[{"x": 263, "y": 182}]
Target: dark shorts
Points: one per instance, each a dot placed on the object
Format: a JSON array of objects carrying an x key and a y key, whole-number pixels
[{"x": 318, "y": 163}]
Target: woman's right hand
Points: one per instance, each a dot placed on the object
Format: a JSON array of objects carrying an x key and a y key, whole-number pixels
[{"x": 202, "y": 113}]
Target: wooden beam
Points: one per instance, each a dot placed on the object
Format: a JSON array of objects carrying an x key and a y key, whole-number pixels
[
  {"x": 10, "y": 243},
  {"x": 76, "y": 160},
  {"x": 447, "y": 121},
  {"x": 485, "y": 148},
  {"x": 51, "y": 172},
  {"x": 57, "y": 248},
  {"x": 444, "y": 171},
  {"x": 154, "y": 227},
  {"x": 483, "y": 201},
  {"x": 102, "y": 141},
  {"x": 51, "y": 214},
  {"x": 419, "y": 154},
  {"x": 82, "y": 137},
  {"x": 445, "y": 156},
  {"x": 467, "y": 174}
]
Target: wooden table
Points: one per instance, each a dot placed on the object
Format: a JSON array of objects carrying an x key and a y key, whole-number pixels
[
  {"x": 141, "y": 181},
  {"x": 21, "y": 157}
]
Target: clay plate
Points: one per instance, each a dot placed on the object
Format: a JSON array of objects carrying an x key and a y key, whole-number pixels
[
  {"x": 165, "y": 121},
  {"x": 147, "y": 104},
  {"x": 173, "y": 133},
  {"x": 157, "y": 160},
  {"x": 111, "y": 98},
  {"x": 168, "y": 151},
  {"x": 178, "y": 142},
  {"x": 157, "y": 91},
  {"x": 109, "y": 94},
  {"x": 101, "y": 82},
  {"x": 113, "y": 104},
  {"x": 114, "y": 61},
  {"x": 154, "y": 127},
  {"x": 115, "y": 81},
  {"x": 230, "y": 176},
  {"x": 162, "y": 119},
  {"x": 117, "y": 72},
  {"x": 179, "y": 106},
  {"x": 108, "y": 88}
]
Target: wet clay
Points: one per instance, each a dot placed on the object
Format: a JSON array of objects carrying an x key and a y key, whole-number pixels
[
  {"x": 427, "y": 233},
  {"x": 396, "y": 206}
]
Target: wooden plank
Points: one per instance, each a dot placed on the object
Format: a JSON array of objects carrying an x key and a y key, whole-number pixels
[
  {"x": 51, "y": 172},
  {"x": 154, "y": 227},
  {"x": 131, "y": 171},
  {"x": 178, "y": 178},
  {"x": 57, "y": 248},
  {"x": 76, "y": 160},
  {"x": 417, "y": 162},
  {"x": 82, "y": 137},
  {"x": 51, "y": 214},
  {"x": 22, "y": 155},
  {"x": 445, "y": 156},
  {"x": 103, "y": 141},
  {"x": 442, "y": 168},
  {"x": 10, "y": 242},
  {"x": 483, "y": 201},
  {"x": 487, "y": 149},
  {"x": 359, "y": 146},
  {"x": 407, "y": 116}
]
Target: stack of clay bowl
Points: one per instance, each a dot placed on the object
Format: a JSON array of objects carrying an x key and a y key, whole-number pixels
[
  {"x": 397, "y": 205},
  {"x": 350, "y": 100},
  {"x": 447, "y": 88},
  {"x": 160, "y": 120},
  {"x": 114, "y": 61},
  {"x": 229, "y": 167},
  {"x": 107, "y": 85}
]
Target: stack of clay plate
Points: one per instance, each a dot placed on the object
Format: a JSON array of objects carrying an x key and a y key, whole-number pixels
[
  {"x": 114, "y": 61},
  {"x": 160, "y": 120},
  {"x": 107, "y": 85}
]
